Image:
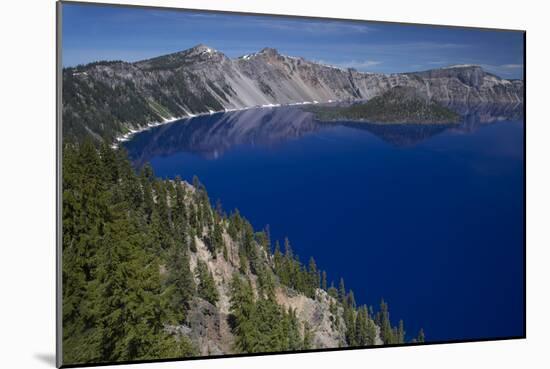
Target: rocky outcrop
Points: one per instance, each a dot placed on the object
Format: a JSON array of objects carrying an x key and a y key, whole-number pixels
[
  {"x": 467, "y": 85},
  {"x": 208, "y": 326},
  {"x": 106, "y": 99},
  {"x": 317, "y": 314}
]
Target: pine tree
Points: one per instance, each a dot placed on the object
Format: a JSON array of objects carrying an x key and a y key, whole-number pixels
[
  {"x": 350, "y": 300},
  {"x": 349, "y": 320},
  {"x": 262, "y": 239},
  {"x": 333, "y": 309},
  {"x": 109, "y": 163},
  {"x": 243, "y": 263},
  {"x": 192, "y": 241},
  {"x": 289, "y": 253},
  {"x": 207, "y": 287},
  {"x": 217, "y": 236},
  {"x": 342, "y": 291},
  {"x": 265, "y": 281},
  {"x": 361, "y": 327},
  {"x": 332, "y": 291},
  {"x": 278, "y": 260},
  {"x": 267, "y": 321},
  {"x": 294, "y": 339},
  {"x": 234, "y": 227},
  {"x": 162, "y": 205},
  {"x": 267, "y": 232},
  {"x": 219, "y": 209},
  {"x": 146, "y": 179},
  {"x": 400, "y": 333},
  {"x": 179, "y": 208},
  {"x": 383, "y": 321},
  {"x": 371, "y": 333},
  {"x": 308, "y": 337},
  {"x": 180, "y": 282},
  {"x": 242, "y": 309},
  {"x": 421, "y": 338},
  {"x": 313, "y": 277},
  {"x": 248, "y": 247}
]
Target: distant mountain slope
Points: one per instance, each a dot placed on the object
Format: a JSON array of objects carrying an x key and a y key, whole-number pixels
[{"x": 107, "y": 99}]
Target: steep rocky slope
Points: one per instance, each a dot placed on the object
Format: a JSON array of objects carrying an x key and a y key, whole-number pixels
[
  {"x": 207, "y": 325},
  {"x": 106, "y": 99}
]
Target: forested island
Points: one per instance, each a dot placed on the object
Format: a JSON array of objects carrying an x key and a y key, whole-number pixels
[
  {"x": 152, "y": 270},
  {"x": 399, "y": 105}
]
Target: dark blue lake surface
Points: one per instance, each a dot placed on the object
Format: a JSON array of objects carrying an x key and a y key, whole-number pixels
[{"x": 428, "y": 217}]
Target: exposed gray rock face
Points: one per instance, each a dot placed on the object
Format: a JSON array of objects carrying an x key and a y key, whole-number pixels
[
  {"x": 468, "y": 85},
  {"x": 208, "y": 326},
  {"x": 103, "y": 95},
  {"x": 208, "y": 329}
]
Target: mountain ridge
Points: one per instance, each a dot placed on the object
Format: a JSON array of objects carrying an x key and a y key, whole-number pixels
[{"x": 109, "y": 99}]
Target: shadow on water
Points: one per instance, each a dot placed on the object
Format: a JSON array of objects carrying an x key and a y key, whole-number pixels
[
  {"x": 212, "y": 135},
  {"x": 402, "y": 135},
  {"x": 473, "y": 117}
]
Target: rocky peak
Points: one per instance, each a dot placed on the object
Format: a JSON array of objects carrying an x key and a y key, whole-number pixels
[
  {"x": 265, "y": 54},
  {"x": 203, "y": 53},
  {"x": 269, "y": 53},
  {"x": 201, "y": 48},
  {"x": 196, "y": 55}
]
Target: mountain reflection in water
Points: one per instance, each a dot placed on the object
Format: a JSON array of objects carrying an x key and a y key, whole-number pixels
[{"x": 211, "y": 136}]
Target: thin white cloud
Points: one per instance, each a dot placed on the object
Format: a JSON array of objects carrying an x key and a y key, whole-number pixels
[
  {"x": 356, "y": 64},
  {"x": 512, "y": 66},
  {"x": 314, "y": 27},
  {"x": 423, "y": 46},
  {"x": 179, "y": 16}
]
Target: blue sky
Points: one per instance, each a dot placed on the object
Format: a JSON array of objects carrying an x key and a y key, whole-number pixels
[{"x": 92, "y": 33}]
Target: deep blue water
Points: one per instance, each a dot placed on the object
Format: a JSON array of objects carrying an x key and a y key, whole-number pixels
[{"x": 429, "y": 218}]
